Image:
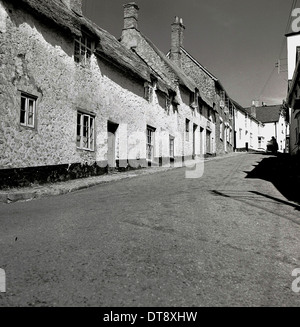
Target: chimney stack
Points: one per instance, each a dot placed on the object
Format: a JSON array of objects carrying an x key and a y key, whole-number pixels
[
  {"x": 75, "y": 5},
  {"x": 253, "y": 108},
  {"x": 131, "y": 11},
  {"x": 177, "y": 40}
]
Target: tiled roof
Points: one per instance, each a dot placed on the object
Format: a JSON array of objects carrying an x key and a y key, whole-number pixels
[{"x": 267, "y": 114}]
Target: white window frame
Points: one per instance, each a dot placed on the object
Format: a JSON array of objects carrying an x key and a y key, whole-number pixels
[
  {"x": 221, "y": 129},
  {"x": 85, "y": 49},
  {"x": 150, "y": 142},
  {"x": 28, "y": 115},
  {"x": 89, "y": 132}
]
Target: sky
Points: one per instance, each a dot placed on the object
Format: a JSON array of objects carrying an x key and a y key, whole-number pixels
[{"x": 239, "y": 41}]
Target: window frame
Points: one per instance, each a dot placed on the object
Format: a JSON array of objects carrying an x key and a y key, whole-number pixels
[
  {"x": 28, "y": 97},
  {"x": 150, "y": 135},
  {"x": 90, "y": 136},
  {"x": 82, "y": 58},
  {"x": 221, "y": 129}
]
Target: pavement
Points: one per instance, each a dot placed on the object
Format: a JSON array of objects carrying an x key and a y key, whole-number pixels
[{"x": 38, "y": 191}]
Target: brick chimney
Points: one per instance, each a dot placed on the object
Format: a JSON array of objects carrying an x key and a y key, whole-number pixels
[
  {"x": 177, "y": 40},
  {"x": 253, "y": 108},
  {"x": 131, "y": 12},
  {"x": 75, "y": 5}
]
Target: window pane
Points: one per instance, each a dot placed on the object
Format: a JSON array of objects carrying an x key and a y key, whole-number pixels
[
  {"x": 78, "y": 125},
  {"x": 23, "y": 110},
  {"x": 91, "y": 133},
  {"x": 30, "y": 112},
  {"x": 85, "y": 125},
  {"x": 171, "y": 147},
  {"x": 85, "y": 132}
]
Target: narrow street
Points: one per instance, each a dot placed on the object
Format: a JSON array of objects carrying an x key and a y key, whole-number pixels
[{"x": 156, "y": 240}]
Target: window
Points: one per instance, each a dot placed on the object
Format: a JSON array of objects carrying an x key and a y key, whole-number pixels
[
  {"x": 200, "y": 106},
  {"x": 227, "y": 134},
  {"x": 240, "y": 133},
  {"x": 83, "y": 50},
  {"x": 85, "y": 131},
  {"x": 28, "y": 110},
  {"x": 222, "y": 99},
  {"x": 209, "y": 114},
  {"x": 150, "y": 143},
  {"x": 171, "y": 147},
  {"x": 187, "y": 130},
  {"x": 221, "y": 129},
  {"x": 194, "y": 99}
]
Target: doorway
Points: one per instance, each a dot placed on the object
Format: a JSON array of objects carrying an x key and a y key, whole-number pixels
[
  {"x": 194, "y": 140},
  {"x": 112, "y": 129}
]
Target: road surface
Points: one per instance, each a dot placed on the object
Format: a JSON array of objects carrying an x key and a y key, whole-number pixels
[{"x": 156, "y": 240}]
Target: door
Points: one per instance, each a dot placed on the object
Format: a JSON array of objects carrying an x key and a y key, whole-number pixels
[
  {"x": 201, "y": 141},
  {"x": 111, "y": 146},
  {"x": 208, "y": 141},
  {"x": 194, "y": 140}
]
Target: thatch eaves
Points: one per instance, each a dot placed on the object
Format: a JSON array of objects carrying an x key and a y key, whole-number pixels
[
  {"x": 53, "y": 12},
  {"x": 110, "y": 48},
  {"x": 56, "y": 14}
]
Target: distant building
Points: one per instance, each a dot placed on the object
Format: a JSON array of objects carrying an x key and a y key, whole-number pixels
[
  {"x": 249, "y": 130},
  {"x": 195, "y": 112},
  {"x": 210, "y": 87},
  {"x": 274, "y": 124}
]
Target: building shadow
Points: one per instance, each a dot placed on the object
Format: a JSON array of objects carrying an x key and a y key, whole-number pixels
[{"x": 283, "y": 172}]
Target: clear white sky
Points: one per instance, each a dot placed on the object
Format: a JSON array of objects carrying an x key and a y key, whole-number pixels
[{"x": 239, "y": 41}]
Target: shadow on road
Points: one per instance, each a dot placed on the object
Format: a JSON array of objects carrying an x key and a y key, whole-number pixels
[{"x": 283, "y": 172}]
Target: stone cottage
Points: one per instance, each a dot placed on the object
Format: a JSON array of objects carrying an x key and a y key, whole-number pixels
[
  {"x": 220, "y": 113},
  {"x": 75, "y": 100},
  {"x": 191, "y": 102}
]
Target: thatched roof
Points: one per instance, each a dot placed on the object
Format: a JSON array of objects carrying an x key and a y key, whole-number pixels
[{"x": 55, "y": 13}]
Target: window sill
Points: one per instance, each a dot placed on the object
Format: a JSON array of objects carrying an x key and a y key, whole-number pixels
[
  {"x": 83, "y": 149},
  {"x": 33, "y": 128}
]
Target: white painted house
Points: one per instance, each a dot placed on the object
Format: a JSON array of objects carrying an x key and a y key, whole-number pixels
[{"x": 274, "y": 125}]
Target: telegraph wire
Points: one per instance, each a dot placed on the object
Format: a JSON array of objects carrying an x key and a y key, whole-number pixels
[{"x": 267, "y": 82}]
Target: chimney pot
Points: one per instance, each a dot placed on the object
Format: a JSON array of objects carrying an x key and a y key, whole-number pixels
[
  {"x": 177, "y": 40},
  {"x": 131, "y": 10}
]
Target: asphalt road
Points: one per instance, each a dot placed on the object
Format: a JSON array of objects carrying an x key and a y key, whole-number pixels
[{"x": 156, "y": 240}]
